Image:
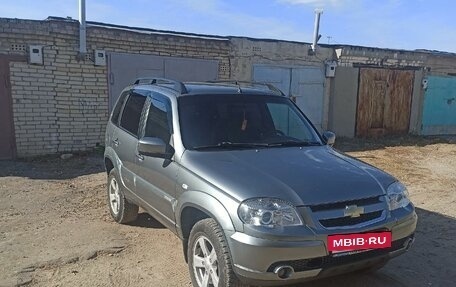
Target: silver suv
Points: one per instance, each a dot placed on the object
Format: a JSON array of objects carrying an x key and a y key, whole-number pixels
[{"x": 256, "y": 194}]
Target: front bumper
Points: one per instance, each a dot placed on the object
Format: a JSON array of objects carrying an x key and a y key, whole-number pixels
[{"x": 256, "y": 259}]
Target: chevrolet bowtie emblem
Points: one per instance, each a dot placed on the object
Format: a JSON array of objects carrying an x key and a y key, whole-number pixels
[{"x": 353, "y": 211}]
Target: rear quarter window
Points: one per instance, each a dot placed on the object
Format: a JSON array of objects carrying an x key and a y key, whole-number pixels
[{"x": 118, "y": 108}]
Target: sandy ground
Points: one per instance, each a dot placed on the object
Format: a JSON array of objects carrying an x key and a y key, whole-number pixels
[{"x": 55, "y": 229}]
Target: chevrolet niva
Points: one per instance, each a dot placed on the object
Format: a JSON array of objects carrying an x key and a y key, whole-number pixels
[{"x": 257, "y": 195}]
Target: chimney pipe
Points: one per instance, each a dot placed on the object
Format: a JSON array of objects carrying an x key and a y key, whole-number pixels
[
  {"x": 316, "y": 35},
  {"x": 82, "y": 28}
]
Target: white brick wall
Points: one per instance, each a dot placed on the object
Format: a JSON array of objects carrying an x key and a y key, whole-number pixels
[{"x": 62, "y": 106}]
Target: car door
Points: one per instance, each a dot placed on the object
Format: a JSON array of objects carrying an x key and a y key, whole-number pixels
[
  {"x": 126, "y": 138},
  {"x": 156, "y": 182}
]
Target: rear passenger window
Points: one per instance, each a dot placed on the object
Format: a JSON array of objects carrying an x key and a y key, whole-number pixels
[
  {"x": 132, "y": 113},
  {"x": 116, "y": 113},
  {"x": 159, "y": 121}
]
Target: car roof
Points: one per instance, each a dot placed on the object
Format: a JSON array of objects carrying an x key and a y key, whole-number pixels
[
  {"x": 179, "y": 89},
  {"x": 194, "y": 88}
]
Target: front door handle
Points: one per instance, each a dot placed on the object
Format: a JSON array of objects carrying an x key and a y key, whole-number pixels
[
  {"x": 115, "y": 142},
  {"x": 140, "y": 157}
]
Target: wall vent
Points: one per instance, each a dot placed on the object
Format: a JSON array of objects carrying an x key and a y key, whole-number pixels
[
  {"x": 223, "y": 68},
  {"x": 18, "y": 47},
  {"x": 88, "y": 57}
]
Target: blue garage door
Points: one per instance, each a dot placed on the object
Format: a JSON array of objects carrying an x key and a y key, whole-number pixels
[{"x": 439, "y": 110}]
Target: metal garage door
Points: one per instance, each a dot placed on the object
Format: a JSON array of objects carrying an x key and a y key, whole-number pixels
[
  {"x": 125, "y": 68},
  {"x": 439, "y": 110},
  {"x": 6, "y": 116},
  {"x": 304, "y": 83}
]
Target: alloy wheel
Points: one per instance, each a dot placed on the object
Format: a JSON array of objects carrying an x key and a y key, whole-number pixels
[
  {"x": 205, "y": 263},
  {"x": 114, "y": 196}
]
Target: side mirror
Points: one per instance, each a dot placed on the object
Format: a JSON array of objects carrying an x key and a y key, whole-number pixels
[
  {"x": 329, "y": 137},
  {"x": 154, "y": 147}
]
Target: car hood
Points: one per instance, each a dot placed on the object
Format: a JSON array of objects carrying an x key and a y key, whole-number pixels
[{"x": 302, "y": 176}]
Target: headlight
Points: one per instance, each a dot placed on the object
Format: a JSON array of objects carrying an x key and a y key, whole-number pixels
[
  {"x": 268, "y": 212},
  {"x": 397, "y": 196}
]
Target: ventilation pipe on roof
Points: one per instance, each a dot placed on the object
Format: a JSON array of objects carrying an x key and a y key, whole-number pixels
[
  {"x": 82, "y": 29},
  {"x": 316, "y": 35}
]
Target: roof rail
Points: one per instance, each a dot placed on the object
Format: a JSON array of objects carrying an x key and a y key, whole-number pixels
[
  {"x": 176, "y": 85},
  {"x": 271, "y": 87}
]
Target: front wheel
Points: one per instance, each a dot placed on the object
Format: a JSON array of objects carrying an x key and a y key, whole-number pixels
[{"x": 209, "y": 258}]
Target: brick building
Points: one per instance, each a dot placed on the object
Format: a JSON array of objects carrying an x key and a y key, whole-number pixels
[{"x": 62, "y": 103}]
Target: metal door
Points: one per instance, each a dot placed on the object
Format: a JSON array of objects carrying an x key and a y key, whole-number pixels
[
  {"x": 384, "y": 102},
  {"x": 125, "y": 148},
  {"x": 439, "y": 110},
  {"x": 124, "y": 68},
  {"x": 7, "y": 144},
  {"x": 156, "y": 177},
  {"x": 280, "y": 77},
  {"x": 126, "y": 138},
  {"x": 305, "y": 84}
]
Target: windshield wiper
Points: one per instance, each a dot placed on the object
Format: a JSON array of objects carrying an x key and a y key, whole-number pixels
[
  {"x": 231, "y": 145},
  {"x": 295, "y": 143}
]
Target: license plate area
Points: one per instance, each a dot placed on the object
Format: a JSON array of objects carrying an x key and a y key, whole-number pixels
[{"x": 358, "y": 242}]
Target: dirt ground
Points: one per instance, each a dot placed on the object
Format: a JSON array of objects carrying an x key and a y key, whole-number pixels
[{"x": 55, "y": 229}]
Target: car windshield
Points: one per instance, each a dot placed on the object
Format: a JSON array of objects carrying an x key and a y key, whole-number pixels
[{"x": 242, "y": 122}]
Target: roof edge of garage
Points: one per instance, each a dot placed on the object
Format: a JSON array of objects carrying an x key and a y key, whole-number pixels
[
  {"x": 136, "y": 29},
  {"x": 155, "y": 31}
]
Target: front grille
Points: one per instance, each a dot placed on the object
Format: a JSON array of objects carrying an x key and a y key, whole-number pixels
[
  {"x": 343, "y": 204},
  {"x": 348, "y": 221},
  {"x": 330, "y": 261}
]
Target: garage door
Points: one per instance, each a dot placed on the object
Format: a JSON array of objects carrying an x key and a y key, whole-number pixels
[
  {"x": 439, "y": 110},
  {"x": 125, "y": 68},
  {"x": 6, "y": 116},
  {"x": 304, "y": 83},
  {"x": 384, "y": 102}
]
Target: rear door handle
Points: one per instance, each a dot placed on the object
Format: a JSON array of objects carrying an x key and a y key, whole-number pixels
[
  {"x": 116, "y": 142},
  {"x": 140, "y": 157}
]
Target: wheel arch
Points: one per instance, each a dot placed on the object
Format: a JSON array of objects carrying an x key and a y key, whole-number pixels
[
  {"x": 109, "y": 165},
  {"x": 195, "y": 206}
]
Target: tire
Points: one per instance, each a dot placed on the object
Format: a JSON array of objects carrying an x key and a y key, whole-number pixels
[
  {"x": 122, "y": 211},
  {"x": 209, "y": 234}
]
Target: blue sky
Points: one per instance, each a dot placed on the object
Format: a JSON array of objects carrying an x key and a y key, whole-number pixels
[{"x": 400, "y": 24}]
